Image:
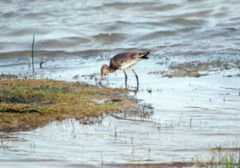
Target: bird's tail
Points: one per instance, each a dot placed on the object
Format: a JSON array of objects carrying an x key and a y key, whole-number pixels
[{"x": 144, "y": 55}]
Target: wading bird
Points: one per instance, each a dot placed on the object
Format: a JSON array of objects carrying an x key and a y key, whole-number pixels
[{"x": 123, "y": 61}]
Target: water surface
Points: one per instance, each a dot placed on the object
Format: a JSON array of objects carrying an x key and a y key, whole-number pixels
[{"x": 190, "y": 115}]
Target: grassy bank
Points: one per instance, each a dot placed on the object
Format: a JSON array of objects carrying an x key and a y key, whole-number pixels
[{"x": 29, "y": 103}]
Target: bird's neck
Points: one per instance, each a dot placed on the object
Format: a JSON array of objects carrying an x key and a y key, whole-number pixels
[{"x": 111, "y": 70}]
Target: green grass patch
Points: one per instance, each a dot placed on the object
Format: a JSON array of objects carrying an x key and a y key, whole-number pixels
[{"x": 28, "y": 103}]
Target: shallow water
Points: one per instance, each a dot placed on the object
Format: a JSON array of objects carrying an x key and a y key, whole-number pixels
[{"x": 190, "y": 115}]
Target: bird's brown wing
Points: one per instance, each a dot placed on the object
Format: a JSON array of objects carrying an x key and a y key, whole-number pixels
[{"x": 121, "y": 59}]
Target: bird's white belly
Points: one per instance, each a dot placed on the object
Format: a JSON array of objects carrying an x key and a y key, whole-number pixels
[{"x": 128, "y": 65}]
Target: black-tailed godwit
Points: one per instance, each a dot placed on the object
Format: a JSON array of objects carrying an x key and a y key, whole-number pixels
[{"x": 123, "y": 61}]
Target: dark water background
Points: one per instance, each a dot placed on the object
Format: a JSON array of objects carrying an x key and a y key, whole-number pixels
[{"x": 190, "y": 115}]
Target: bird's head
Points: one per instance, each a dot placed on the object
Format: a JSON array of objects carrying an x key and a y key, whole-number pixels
[{"x": 104, "y": 70}]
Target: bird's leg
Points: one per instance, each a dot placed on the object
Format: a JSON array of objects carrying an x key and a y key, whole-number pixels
[
  {"x": 125, "y": 79},
  {"x": 136, "y": 78},
  {"x": 135, "y": 75}
]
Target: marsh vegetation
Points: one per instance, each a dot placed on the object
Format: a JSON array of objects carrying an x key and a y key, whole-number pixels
[{"x": 29, "y": 103}]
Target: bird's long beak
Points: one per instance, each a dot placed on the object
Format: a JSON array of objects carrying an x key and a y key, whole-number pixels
[{"x": 100, "y": 82}]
